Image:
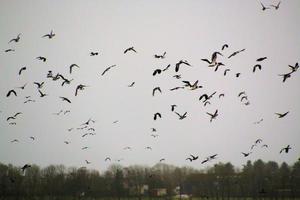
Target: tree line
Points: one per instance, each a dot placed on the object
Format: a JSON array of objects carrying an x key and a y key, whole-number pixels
[{"x": 257, "y": 180}]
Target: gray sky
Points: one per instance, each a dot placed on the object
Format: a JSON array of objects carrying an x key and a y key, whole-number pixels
[{"x": 188, "y": 30}]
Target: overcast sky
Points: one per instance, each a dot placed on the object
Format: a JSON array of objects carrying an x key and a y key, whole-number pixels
[{"x": 188, "y": 30}]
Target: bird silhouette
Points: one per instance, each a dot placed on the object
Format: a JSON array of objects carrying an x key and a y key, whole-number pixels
[
  {"x": 177, "y": 76},
  {"x": 156, "y": 115},
  {"x": 285, "y": 76},
  {"x": 157, "y": 71},
  {"x": 22, "y": 69},
  {"x": 31, "y": 137},
  {"x": 79, "y": 87},
  {"x": 173, "y": 107},
  {"x": 87, "y": 162},
  {"x": 161, "y": 160},
  {"x": 160, "y": 56},
  {"x": 72, "y": 66},
  {"x": 107, "y": 159},
  {"x": 237, "y": 75},
  {"x": 26, "y": 166},
  {"x": 11, "y": 92},
  {"x": 258, "y": 141},
  {"x": 206, "y": 102},
  {"x": 156, "y": 89},
  {"x": 149, "y": 148},
  {"x": 84, "y": 148},
  {"x": 263, "y": 7},
  {"x": 22, "y": 87},
  {"x": 194, "y": 157},
  {"x": 246, "y": 154},
  {"x": 127, "y": 148},
  {"x": 241, "y": 93},
  {"x": 190, "y": 159},
  {"x": 177, "y": 65},
  {"x": 224, "y": 46},
  {"x": 282, "y": 115},
  {"x": 106, "y": 70},
  {"x": 15, "y": 39},
  {"x": 9, "y": 50},
  {"x": 265, "y": 145},
  {"x": 42, "y": 94},
  {"x": 181, "y": 117},
  {"x": 256, "y": 66},
  {"x": 15, "y": 140},
  {"x": 153, "y": 129},
  {"x": 39, "y": 85},
  {"x": 221, "y": 95},
  {"x": 261, "y": 59},
  {"x": 49, "y": 35},
  {"x": 41, "y": 58},
  {"x": 244, "y": 97},
  {"x": 66, "y": 142},
  {"x": 225, "y": 71},
  {"x": 294, "y": 68},
  {"x": 166, "y": 68},
  {"x": 132, "y": 84},
  {"x": 94, "y": 54},
  {"x": 205, "y": 160},
  {"x": 193, "y": 86},
  {"x": 213, "y": 116},
  {"x": 154, "y": 135},
  {"x": 206, "y": 97},
  {"x": 176, "y": 88},
  {"x": 130, "y": 49},
  {"x": 65, "y": 99},
  {"x": 276, "y": 6},
  {"x": 235, "y": 53},
  {"x": 285, "y": 149}
]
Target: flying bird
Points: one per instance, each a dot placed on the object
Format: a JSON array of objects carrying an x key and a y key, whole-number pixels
[
  {"x": 241, "y": 93},
  {"x": 150, "y": 148},
  {"x": 235, "y": 53},
  {"x": 246, "y": 154},
  {"x": 130, "y": 49},
  {"x": 87, "y": 162},
  {"x": 173, "y": 107},
  {"x": 15, "y": 39},
  {"x": 8, "y": 50},
  {"x": 181, "y": 117},
  {"x": 224, "y": 46},
  {"x": 256, "y": 66},
  {"x": 156, "y": 115},
  {"x": 276, "y": 6},
  {"x": 79, "y": 87},
  {"x": 193, "y": 86},
  {"x": 31, "y": 137},
  {"x": 285, "y": 76},
  {"x": 156, "y": 89},
  {"x": 194, "y": 157},
  {"x": 285, "y": 149},
  {"x": 49, "y": 35},
  {"x": 213, "y": 116},
  {"x": 94, "y": 54},
  {"x": 42, "y": 94},
  {"x": 132, "y": 84},
  {"x": 225, "y": 71},
  {"x": 261, "y": 59},
  {"x": 72, "y": 66},
  {"x": 157, "y": 71},
  {"x": 107, "y": 159},
  {"x": 22, "y": 69},
  {"x": 237, "y": 75},
  {"x": 15, "y": 140},
  {"x": 39, "y": 85},
  {"x": 163, "y": 159},
  {"x": 282, "y": 115},
  {"x": 180, "y": 63},
  {"x": 11, "y": 92},
  {"x": 258, "y": 141},
  {"x": 166, "y": 68},
  {"x": 176, "y": 88},
  {"x": 294, "y": 68},
  {"x": 108, "y": 68},
  {"x": 26, "y": 166},
  {"x": 160, "y": 56},
  {"x": 263, "y": 7},
  {"x": 65, "y": 99},
  {"x": 177, "y": 76},
  {"x": 41, "y": 58}
]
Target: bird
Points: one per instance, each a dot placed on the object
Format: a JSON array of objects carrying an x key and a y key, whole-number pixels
[
  {"x": 224, "y": 46},
  {"x": 15, "y": 140},
  {"x": 15, "y": 39},
  {"x": 237, "y": 75},
  {"x": 177, "y": 76},
  {"x": 66, "y": 142},
  {"x": 11, "y": 92},
  {"x": 79, "y": 87},
  {"x": 294, "y": 68},
  {"x": 265, "y": 145},
  {"x": 282, "y": 115},
  {"x": 29, "y": 100},
  {"x": 285, "y": 76},
  {"x": 8, "y": 50},
  {"x": 173, "y": 107},
  {"x": 65, "y": 99},
  {"x": 18, "y": 113},
  {"x": 49, "y": 35},
  {"x": 39, "y": 85},
  {"x": 213, "y": 61},
  {"x": 258, "y": 141},
  {"x": 132, "y": 84},
  {"x": 221, "y": 95},
  {"x": 150, "y": 148},
  {"x": 181, "y": 117},
  {"x": 163, "y": 159},
  {"x": 166, "y": 68},
  {"x": 154, "y": 135},
  {"x": 153, "y": 129},
  {"x": 157, "y": 71},
  {"x": 107, "y": 159},
  {"x": 213, "y": 156},
  {"x": 156, "y": 115},
  {"x": 22, "y": 69},
  {"x": 261, "y": 59},
  {"x": 194, "y": 157},
  {"x": 88, "y": 122},
  {"x": 84, "y": 135},
  {"x": 26, "y": 166},
  {"x": 242, "y": 93},
  {"x": 94, "y": 54},
  {"x": 263, "y": 7},
  {"x": 193, "y": 86},
  {"x": 41, "y": 58},
  {"x": 176, "y": 88},
  {"x": 244, "y": 97},
  {"x": 235, "y": 53},
  {"x": 31, "y": 137},
  {"x": 256, "y": 66},
  {"x": 206, "y": 102},
  {"x": 72, "y": 66},
  {"x": 206, "y": 97},
  {"x": 276, "y": 6},
  {"x": 285, "y": 149},
  {"x": 87, "y": 162},
  {"x": 204, "y": 161},
  {"x": 160, "y": 56},
  {"x": 225, "y": 71},
  {"x": 84, "y": 148},
  {"x": 108, "y": 68},
  {"x": 42, "y": 94},
  {"x": 246, "y": 154},
  {"x": 213, "y": 116},
  {"x": 156, "y": 89},
  {"x": 127, "y": 148},
  {"x": 130, "y": 49},
  {"x": 177, "y": 65},
  {"x": 190, "y": 159},
  {"x": 217, "y": 65}
]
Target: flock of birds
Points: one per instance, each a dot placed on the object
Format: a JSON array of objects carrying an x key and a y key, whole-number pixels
[{"x": 87, "y": 126}]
